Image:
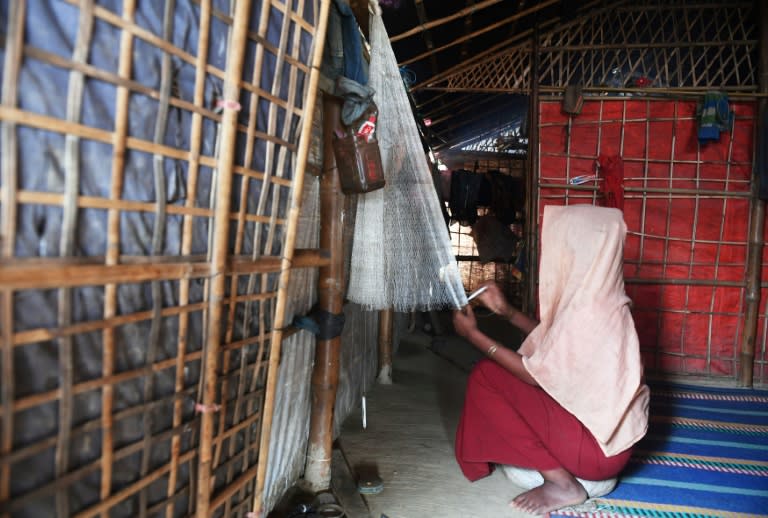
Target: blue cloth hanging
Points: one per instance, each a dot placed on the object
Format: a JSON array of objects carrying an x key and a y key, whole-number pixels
[
  {"x": 343, "y": 53},
  {"x": 715, "y": 115}
]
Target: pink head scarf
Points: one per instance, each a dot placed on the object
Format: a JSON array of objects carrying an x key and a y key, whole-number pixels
[{"x": 585, "y": 352}]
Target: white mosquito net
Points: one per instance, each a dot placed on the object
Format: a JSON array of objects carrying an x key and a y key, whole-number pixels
[{"x": 401, "y": 252}]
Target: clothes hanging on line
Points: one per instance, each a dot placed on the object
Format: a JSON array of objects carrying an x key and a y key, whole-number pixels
[
  {"x": 465, "y": 194},
  {"x": 343, "y": 51},
  {"x": 611, "y": 170},
  {"x": 507, "y": 196}
]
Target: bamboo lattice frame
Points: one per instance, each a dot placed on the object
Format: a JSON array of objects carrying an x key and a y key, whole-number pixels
[
  {"x": 214, "y": 300},
  {"x": 675, "y": 45}
]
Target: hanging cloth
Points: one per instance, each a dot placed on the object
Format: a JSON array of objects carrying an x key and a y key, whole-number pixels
[
  {"x": 465, "y": 194},
  {"x": 611, "y": 169},
  {"x": 507, "y": 196},
  {"x": 343, "y": 51},
  {"x": 714, "y": 116},
  {"x": 357, "y": 99}
]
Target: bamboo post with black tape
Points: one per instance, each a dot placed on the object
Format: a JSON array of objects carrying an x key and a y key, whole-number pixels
[{"x": 325, "y": 375}]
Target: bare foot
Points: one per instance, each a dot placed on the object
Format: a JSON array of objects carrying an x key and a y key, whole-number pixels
[{"x": 555, "y": 493}]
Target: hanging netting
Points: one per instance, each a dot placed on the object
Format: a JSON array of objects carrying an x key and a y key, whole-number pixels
[{"x": 401, "y": 252}]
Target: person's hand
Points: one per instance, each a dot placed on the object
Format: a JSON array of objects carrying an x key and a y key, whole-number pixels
[
  {"x": 464, "y": 321},
  {"x": 493, "y": 299}
]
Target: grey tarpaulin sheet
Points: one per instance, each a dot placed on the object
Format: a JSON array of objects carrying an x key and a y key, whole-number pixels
[{"x": 51, "y": 26}]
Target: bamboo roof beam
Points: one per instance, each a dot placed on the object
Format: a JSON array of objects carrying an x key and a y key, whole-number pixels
[
  {"x": 442, "y": 21},
  {"x": 449, "y": 106},
  {"x": 467, "y": 123},
  {"x": 516, "y": 38},
  {"x": 425, "y": 34},
  {"x": 430, "y": 100},
  {"x": 485, "y": 29},
  {"x": 521, "y": 40},
  {"x": 467, "y": 29},
  {"x": 468, "y": 106}
]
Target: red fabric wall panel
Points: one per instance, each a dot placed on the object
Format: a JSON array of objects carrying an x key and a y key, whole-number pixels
[{"x": 687, "y": 212}]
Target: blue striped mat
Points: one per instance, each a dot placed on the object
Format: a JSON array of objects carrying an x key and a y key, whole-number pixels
[{"x": 705, "y": 454}]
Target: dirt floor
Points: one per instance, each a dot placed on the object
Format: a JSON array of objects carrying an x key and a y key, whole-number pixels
[{"x": 408, "y": 441}]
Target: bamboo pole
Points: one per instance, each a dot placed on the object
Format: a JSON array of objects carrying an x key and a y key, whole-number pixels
[
  {"x": 519, "y": 40},
  {"x": 283, "y": 155},
  {"x": 288, "y": 251},
  {"x": 28, "y": 277},
  {"x": 250, "y": 144},
  {"x": 488, "y": 28},
  {"x": 256, "y": 240},
  {"x": 195, "y": 139},
  {"x": 158, "y": 241},
  {"x": 113, "y": 249},
  {"x": 532, "y": 185},
  {"x": 46, "y": 333},
  {"x": 756, "y": 225},
  {"x": 441, "y": 21},
  {"x": 59, "y": 273},
  {"x": 386, "y": 318},
  {"x": 426, "y": 36},
  {"x": 14, "y": 43},
  {"x": 325, "y": 375},
  {"x": 220, "y": 250},
  {"x": 69, "y": 221}
]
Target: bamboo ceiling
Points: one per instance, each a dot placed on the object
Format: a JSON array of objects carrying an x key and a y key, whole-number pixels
[{"x": 650, "y": 46}]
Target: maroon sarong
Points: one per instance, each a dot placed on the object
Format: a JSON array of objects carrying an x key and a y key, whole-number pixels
[{"x": 508, "y": 421}]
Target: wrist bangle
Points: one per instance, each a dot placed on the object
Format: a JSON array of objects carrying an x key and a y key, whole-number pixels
[{"x": 491, "y": 350}]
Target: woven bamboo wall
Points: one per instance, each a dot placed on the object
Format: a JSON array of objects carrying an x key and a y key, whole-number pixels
[
  {"x": 686, "y": 205},
  {"x": 151, "y": 162}
]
